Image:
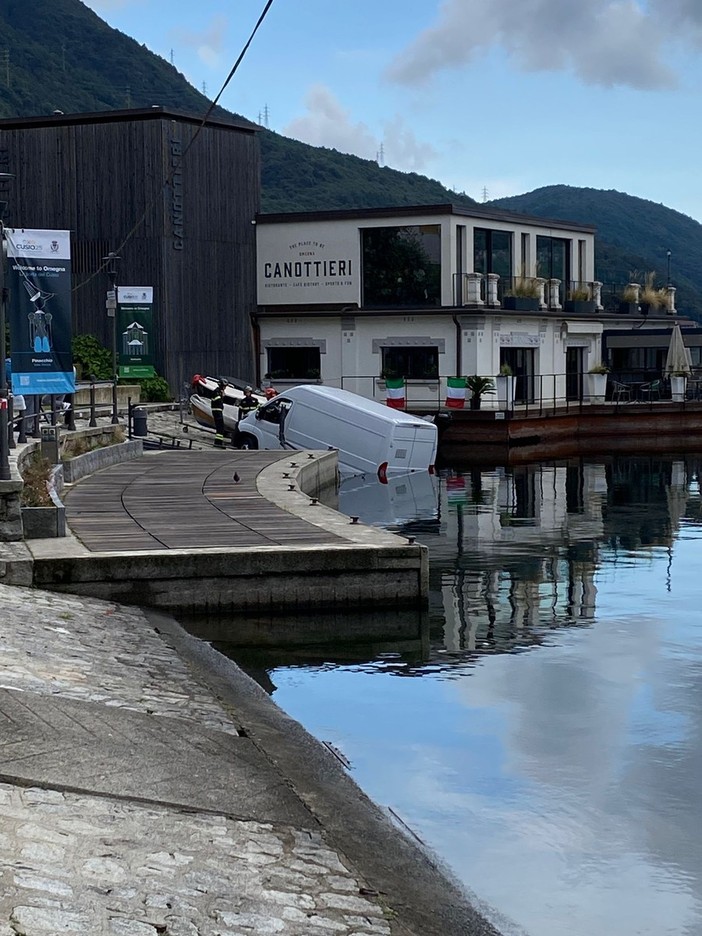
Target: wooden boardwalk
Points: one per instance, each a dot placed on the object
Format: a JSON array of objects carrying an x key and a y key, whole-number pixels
[{"x": 184, "y": 500}]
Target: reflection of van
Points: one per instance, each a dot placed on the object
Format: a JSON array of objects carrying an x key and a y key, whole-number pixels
[
  {"x": 370, "y": 438},
  {"x": 403, "y": 501}
]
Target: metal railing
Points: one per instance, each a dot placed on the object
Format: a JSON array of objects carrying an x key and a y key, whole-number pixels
[{"x": 532, "y": 394}]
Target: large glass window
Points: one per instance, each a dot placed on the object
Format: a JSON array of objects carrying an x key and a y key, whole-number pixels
[
  {"x": 294, "y": 363},
  {"x": 402, "y": 265},
  {"x": 492, "y": 252},
  {"x": 411, "y": 363},
  {"x": 553, "y": 258}
]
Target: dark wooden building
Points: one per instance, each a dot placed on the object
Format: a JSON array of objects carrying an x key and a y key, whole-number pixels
[{"x": 174, "y": 198}]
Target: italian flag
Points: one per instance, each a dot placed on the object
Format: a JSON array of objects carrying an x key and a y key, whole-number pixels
[
  {"x": 395, "y": 390},
  {"x": 456, "y": 392}
]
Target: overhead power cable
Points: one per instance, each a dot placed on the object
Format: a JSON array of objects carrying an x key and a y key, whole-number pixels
[{"x": 177, "y": 167}]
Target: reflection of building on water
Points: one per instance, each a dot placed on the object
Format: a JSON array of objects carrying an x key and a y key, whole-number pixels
[{"x": 529, "y": 540}]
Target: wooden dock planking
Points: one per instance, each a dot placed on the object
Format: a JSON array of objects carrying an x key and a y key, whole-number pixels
[{"x": 184, "y": 500}]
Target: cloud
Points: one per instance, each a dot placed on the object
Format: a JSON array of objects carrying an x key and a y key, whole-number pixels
[
  {"x": 100, "y": 6},
  {"x": 208, "y": 42},
  {"x": 679, "y": 18},
  {"x": 602, "y": 42},
  {"x": 402, "y": 148},
  {"x": 327, "y": 123}
]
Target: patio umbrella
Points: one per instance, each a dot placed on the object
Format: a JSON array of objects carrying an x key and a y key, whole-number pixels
[{"x": 677, "y": 360}]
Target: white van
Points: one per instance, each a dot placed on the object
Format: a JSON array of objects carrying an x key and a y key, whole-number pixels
[{"x": 370, "y": 438}]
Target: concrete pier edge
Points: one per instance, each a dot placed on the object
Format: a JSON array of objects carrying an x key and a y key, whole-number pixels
[{"x": 423, "y": 897}]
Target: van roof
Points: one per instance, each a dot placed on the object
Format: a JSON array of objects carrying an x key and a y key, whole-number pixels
[{"x": 354, "y": 400}]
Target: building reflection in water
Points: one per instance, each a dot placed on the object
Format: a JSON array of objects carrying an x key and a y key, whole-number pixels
[
  {"x": 519, "y": 548},
  {"x": 514, "y": 555}
]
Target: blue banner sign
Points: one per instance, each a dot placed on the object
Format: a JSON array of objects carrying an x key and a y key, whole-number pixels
[{"x": 39, "y": 277}]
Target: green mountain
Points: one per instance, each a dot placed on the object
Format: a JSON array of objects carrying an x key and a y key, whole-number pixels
[{"x": 59, "y": 55}]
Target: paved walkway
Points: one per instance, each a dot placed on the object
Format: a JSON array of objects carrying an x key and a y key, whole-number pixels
[
  {"x": 147, "y": 786},
  {"x": 180, "y": 500}
]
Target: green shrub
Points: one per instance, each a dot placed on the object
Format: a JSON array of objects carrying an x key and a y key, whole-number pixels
[
  {"x": 91, "y": 359},
  {"x": 155, "y": 390}
]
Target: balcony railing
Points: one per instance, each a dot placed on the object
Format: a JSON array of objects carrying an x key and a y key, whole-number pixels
[
  {"x": 576, "y": 297},
  {"x": 533, "y": 394}
]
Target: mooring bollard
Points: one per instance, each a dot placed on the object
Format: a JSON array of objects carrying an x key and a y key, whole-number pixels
[
  {"x": 93, "y": 420},
  {"x": 10, "y": 425}
]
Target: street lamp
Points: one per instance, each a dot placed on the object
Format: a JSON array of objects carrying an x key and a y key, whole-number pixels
[
  {"x": 669, "y": 256},
  {"x": 4, "y": 426},
  {"x": 110, "y": 263}
]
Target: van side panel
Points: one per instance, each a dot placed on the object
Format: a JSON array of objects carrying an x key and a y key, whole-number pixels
[
  {"x": 361, "y": 445},
  {"x": 365, "y": 434}
]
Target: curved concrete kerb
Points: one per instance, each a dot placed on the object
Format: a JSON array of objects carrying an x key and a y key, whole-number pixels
[{"x": 293, "y": 485}]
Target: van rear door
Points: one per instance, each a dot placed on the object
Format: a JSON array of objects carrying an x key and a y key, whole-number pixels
[{"x": 413, "y": 448}]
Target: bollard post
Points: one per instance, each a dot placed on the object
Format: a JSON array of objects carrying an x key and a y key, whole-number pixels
[
  {"x": 10, "y": 425},
  {"x": 70, "y": 415},
  {"x": 22, "y": 437},
  {"x": 93, "y": 421}
]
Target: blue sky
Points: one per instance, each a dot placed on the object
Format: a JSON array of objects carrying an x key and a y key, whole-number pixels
[{"x": 496, "y": 96}]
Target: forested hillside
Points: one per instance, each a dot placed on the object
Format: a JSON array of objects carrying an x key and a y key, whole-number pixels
[{"x": 59, "y": 55}]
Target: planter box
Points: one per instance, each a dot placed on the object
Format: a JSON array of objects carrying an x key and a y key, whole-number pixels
[
  {"x": 505, "y": 392},
  {"x": 596, "y": 387},
  {"x": 678, "y": 388},
  {"x": 580, "y": 306},
  {"x": 521, "y": 303},
  {"x": 44, "y": 522},
  {"x": 629, "y": 308}
]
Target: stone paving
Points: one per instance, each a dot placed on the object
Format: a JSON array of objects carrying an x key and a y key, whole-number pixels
[
  {"x": 72, "y": 862},
  {"x": 135, "y": 802}
]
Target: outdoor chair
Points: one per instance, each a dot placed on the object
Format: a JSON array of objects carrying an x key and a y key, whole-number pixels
[
  {"x": 650, "y": 391},
  {"x": 620, "y": 392}
]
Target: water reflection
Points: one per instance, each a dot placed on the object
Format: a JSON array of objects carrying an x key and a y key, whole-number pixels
[{"x": 561, "y": 784}]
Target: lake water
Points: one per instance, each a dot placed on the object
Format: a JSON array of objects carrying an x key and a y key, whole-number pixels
[{"x": 543, "y": 734}]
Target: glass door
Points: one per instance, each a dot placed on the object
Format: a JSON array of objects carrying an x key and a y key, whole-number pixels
[{"x": 574, "y": 373}]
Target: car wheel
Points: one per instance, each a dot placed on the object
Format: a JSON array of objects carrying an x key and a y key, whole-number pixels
[{"x": 247, "y": 441}]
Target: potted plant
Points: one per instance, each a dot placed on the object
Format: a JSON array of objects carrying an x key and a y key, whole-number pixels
[
  {"x": 629, "y": 299},
  {"x": 597, "y": 383},
  {"x": 651, "y": 297},
  {"x": 579, "y": 301},
  {"x": 505, "y": 387},
  {"x": 524, "y": 295},
  {"x": 478, "y": 386}
]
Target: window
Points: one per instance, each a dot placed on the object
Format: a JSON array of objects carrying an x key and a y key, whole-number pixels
[
  {"x": 402, "y": 265},
  {"x": 492, "y": 252},
  {"x": 553, "y": 258},
  {"x": 294, "y": 363},
  {"x": 274, "y": 412},
  {"x": 411, "y": 363}
]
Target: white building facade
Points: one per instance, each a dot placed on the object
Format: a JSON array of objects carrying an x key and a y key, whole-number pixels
[{"x": 350, "y": 298}]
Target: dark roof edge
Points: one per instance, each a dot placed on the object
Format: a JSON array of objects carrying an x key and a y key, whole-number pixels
[
  {"x": 121, "y": 116},
  {"x": 442, "y": 209}
]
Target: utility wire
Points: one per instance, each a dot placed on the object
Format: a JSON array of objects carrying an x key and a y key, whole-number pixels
[{"x": 185, "y": 152}]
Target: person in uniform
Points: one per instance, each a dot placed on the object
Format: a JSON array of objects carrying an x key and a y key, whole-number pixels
[
  {"x": 248, "y": 403},
  {"x": 217, "y": 406}
]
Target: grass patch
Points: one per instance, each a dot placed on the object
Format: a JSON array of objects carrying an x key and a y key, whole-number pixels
[{"x": 35, "y": 474}]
